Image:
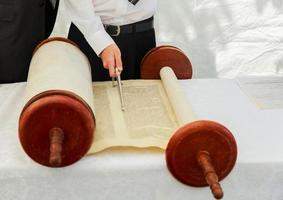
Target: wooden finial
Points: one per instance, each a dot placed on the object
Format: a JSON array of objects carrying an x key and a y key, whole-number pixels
[
  {"x": 56, "y": 136},
  {"x": 210, "y": 174}
]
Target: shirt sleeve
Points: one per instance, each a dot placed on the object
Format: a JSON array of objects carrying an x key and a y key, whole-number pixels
[{"x": 82, "y": 14}]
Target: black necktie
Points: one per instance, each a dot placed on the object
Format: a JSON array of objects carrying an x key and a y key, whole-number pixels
[{"x": 133, "y": 1}]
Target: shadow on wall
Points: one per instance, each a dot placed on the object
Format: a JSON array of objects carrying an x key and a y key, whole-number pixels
[
  {"x": 191, "y": 26},
  {"x": 279, "y": 65},
  {"x": 262, "y": 4},
  {"x": 224, "y": 38}
]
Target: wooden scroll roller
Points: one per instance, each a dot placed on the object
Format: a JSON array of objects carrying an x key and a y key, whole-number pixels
[
  {"x": 57, "y": 123},
  {"x": 200, "y": 153}
]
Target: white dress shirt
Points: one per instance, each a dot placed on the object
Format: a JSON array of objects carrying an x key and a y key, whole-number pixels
[{"x": 90, "y": 15}]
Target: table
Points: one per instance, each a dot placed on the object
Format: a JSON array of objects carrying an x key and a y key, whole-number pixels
[{"x": 142, "y": 173}]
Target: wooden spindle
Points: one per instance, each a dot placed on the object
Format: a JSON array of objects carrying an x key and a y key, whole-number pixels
[
  {"x": 56, "y": 140},
  {"x": 210, "y": 174}
]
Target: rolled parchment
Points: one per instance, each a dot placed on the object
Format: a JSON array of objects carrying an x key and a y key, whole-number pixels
[
  {"x": 57, "y": 124},
  {"x": 60, "y": 65},
  {"x": 175, "y": 93}
]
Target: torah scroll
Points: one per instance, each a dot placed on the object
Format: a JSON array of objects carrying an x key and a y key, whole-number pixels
[{"x": 154, "y": 108}]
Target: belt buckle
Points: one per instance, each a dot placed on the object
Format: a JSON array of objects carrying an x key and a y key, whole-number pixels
[{"x": 118, "y": 31}]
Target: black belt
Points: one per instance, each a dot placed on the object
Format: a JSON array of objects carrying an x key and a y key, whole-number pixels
[{"x": 137, "y": 27}]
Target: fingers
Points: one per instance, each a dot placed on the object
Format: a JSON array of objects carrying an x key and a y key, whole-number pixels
[
  {"x": 111, "y": 58},
  {"x": 108, "y": 61},
  {"x": 111, "y": 67},
  {"x": 118, "y": 61}
]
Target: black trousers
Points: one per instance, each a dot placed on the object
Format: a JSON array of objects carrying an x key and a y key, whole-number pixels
[
  {"x": 133, "y": 47},
  {"x": 50, "y": 17},
  {"x": 22, "y": 27}
]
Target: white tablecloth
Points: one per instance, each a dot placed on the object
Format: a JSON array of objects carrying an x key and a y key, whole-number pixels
[{"x": 142, "y": 174}]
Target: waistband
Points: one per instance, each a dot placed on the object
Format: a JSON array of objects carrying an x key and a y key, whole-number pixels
[{"x": 136, "y": 27}]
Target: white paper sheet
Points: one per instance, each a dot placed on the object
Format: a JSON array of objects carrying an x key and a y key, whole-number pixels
[{"x": 265, "y": 92}]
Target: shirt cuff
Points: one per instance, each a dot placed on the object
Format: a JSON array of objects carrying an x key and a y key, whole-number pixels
[{"x": 99, "y": 41}]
